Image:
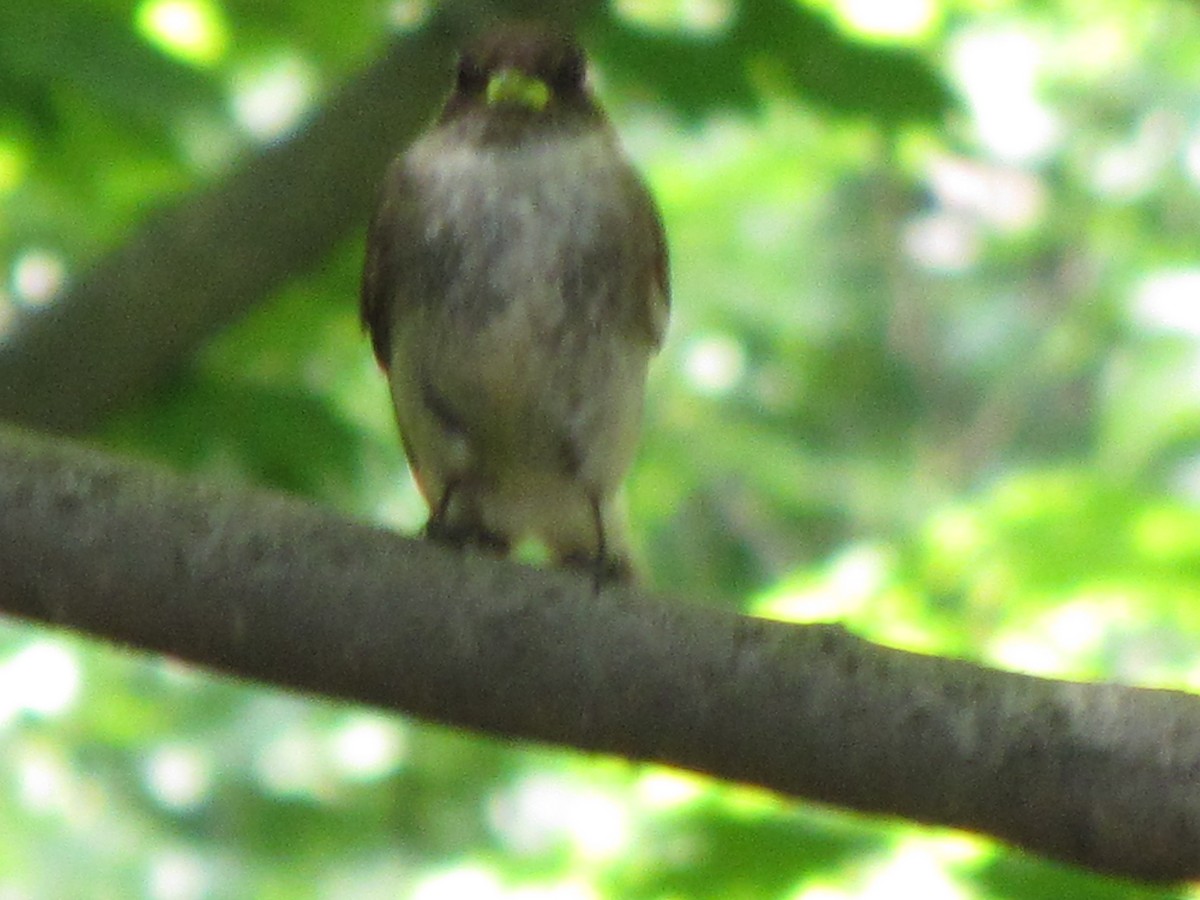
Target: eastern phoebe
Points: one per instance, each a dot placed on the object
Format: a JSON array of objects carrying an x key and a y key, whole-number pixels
[{"x": 515, "y": 289}]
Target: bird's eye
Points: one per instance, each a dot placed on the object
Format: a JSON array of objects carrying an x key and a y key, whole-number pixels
[
  {"x": 569, "y": 73},
  {"x": 471, "y": 77}
]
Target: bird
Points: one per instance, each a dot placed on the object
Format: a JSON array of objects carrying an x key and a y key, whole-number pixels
[{"x": 515, "y": 290}]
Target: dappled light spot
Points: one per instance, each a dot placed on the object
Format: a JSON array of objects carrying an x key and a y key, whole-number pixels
[
  {"x": 1185, "y": 479},
  {"x": 1169, "y": 301},
  {"x": 715, "y": 364},
  {"x": 38, "y": 276},
  {"x": 1026, "y": 653},
  {"x": 191, "y": 30},
  {"x": 290, "y": 765},
  {"x": 890, "y": 19},
  {"x": 943, "y": 242},
  {"x": 406, "y": 15},
  {"x": 270, "y": 101},
  {"x": 1133, "y": 167},
  {"x": 918, "y": 867},
  {"x": 1004, "y": 197},
  {"x": 699, "y": 17},
  {"x": 843, "y": 588},
  {"x": 1061, "y": 641},
  {"x": 543, "y": 811},
  {"x": 179, "y": 875},
  {"x": 955, "y": 537},
  {"x": 304, "y": 760},
  {"x": 1080, "y": 626},
  {"x": 1191, "y": 157},
  {"x": 665, "y": 789},
  {"x": 179, "y": 776},
  {"x": 41, "y": 679},
  {"x": 369, "y": 747},
  {"x": 45, "y": 782},
  {"x": 473, "y": 880},
  {"x": 998, "y": 72}
]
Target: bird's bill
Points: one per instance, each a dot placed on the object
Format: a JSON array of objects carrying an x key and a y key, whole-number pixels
[{"x": 511, "y": 86}]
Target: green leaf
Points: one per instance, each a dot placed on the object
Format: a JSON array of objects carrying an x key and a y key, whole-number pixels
[
  {"x": 54, "y": 46},
  {"x": 772, "y": 45}
]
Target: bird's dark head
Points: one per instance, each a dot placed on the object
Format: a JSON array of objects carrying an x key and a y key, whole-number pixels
[{"x": 521, "y": 72}]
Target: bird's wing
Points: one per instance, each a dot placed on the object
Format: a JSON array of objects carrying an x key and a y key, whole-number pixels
[
  {"x": 656, "y": 309},
  {"x": 390, "y": 238}
]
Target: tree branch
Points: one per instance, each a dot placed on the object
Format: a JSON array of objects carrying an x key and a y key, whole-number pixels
[
  {"x": 269, "y": 588},
  {"x": 194, "y": 267}
]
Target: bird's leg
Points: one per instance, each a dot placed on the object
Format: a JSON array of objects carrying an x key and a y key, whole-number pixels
[
  {"x": 437, "y": 529},
  {"x": 598, "y": 563},
  {"x": 468, "y": 531},
  {"x": 604, "y": 565}
]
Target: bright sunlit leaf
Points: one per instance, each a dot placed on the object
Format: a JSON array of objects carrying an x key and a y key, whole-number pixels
[
  {"x": 998, "y": 70},
  {"x": 916, "y": 869},
  {"x": 1169, "y": 301},
  {"x": 190, "y": 30},
  {"x": 13, "y": 163},
  {"x": 848, "y": 585},
  {"x": 905, "y": 19},
  {"x": 696, "y": 16},
  {"x": 662, "y": 788},
  {"x": 42, "y": 679},
  {"x": 544, "y": 811},
  {"x": 1059, "y": 642}
]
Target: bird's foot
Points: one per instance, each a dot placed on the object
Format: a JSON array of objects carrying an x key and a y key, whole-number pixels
[
  {"x": 462, "y": 536},
  {"x": 605, "y": 570}
]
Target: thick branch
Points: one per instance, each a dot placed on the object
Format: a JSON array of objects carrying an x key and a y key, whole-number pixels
[{"x": 272, "y": 589}]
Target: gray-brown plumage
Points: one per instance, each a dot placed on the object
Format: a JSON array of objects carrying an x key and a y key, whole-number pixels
[{"x": 515, "y": 289}]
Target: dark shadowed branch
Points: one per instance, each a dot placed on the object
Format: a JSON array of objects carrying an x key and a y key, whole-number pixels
[
  {"x": 268, "y": 588},
  {"x": 194, "y": 267}
]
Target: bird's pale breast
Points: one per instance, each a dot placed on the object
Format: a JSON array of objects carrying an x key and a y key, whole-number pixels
[{"x": 525, "y": 336}]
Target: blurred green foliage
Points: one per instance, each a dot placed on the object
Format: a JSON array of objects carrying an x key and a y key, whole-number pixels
[{"x": 932, "y": 372}]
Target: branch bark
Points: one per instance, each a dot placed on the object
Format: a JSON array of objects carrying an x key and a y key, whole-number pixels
[{"x": 269, "y": 588}]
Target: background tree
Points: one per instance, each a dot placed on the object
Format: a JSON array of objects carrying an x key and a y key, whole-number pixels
[{"x": 931, "y": 374}]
